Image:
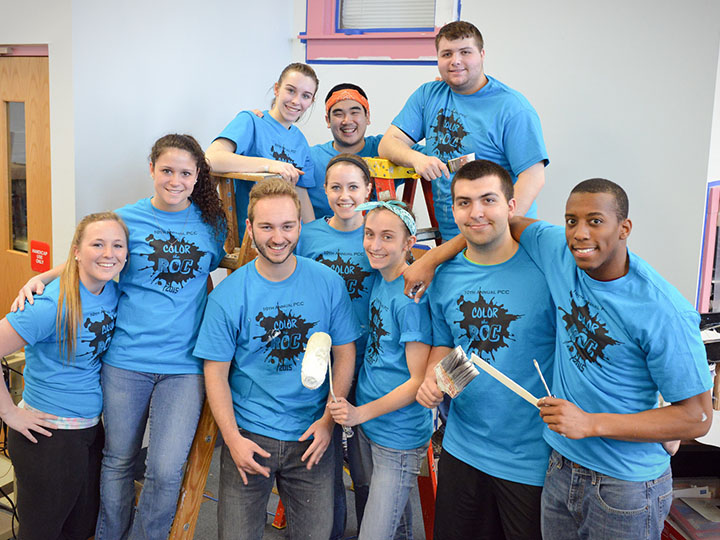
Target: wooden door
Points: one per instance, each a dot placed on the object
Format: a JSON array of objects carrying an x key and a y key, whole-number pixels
[{"x": 25, "y": 202}]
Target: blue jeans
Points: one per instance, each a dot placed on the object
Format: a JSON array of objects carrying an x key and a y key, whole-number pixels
[
  {"x": 173, "y": 404},
  {"x": 391, "y": 474},
  {"x": 306, "y": 495},
  {"x": 579, "y": 503}
]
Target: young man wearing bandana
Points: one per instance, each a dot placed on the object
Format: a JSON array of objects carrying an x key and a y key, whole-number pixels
[{"x": 347, "y": 113}]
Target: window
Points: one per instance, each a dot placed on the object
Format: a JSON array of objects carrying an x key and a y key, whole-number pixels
[
  {"x": 380, "y": 15},
  {"x": 375, "y": 31}
]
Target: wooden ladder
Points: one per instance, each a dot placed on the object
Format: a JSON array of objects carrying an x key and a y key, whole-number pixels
[{"x": 201, "y": 451}]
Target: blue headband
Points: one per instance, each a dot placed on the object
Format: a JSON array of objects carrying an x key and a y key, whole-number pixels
[{"x": 396, "y": 208}]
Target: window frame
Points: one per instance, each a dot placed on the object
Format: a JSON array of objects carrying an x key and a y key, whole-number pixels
[
  {"x": 388, "y": 29},
  {"x": 327, "y": 44}
]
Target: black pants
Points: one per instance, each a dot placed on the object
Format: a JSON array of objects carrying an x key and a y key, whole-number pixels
[
  {"x": 473, "y": 505},
  {"x": 58, "y": 483}
]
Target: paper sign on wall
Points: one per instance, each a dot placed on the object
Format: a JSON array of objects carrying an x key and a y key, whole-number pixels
[{"x": 39, "y": 256}]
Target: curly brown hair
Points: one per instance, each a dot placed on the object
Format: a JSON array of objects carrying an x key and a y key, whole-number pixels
[{"x": 205, "y": 194}]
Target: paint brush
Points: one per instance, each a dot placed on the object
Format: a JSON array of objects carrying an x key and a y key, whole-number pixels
[
  {"x": 454, "y": 372},
  {"x": 504, "y": 379},
  {"x": 454, "y": 164},
  {"x": 537, "y": 366}
]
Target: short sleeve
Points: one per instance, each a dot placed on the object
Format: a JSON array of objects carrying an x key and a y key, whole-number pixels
[
  {"x": 523, "y": 141},
  {"x": 217, "y": 339},
  {"x": 37, "y": 322},
  {"x": 676, "y": 356},
  {"x": 410, "y": 118},
  {"x": 414, "y": 322},
  {"x": 545, "y": 243},
  {"x": 241, "y": 131}
]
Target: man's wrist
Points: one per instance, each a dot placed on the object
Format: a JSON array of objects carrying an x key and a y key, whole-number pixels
[{"x": 594, "y": 426}]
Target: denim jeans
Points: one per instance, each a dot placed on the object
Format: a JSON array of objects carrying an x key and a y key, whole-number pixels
[
  {"x": 172, "y": 403},
  {"x": 306, "y": 494},
  {"x": 391, "y": 474},
  {"x": 578, "y": 503}
]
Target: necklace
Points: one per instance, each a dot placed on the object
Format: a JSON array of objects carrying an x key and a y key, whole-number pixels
[{"x": 187, "y": 215}]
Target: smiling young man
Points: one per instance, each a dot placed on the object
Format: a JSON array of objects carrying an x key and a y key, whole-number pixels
[
  {"x": 347, "y": 113},
  {"x": 467, "y": 112},
  {"x": 491, "y": 300},
  {"x": 253, "y": 336},
  {"x": 623, "y": 335}
]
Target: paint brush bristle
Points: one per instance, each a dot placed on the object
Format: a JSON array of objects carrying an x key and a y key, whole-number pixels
[{"x": 454, "y": 372}]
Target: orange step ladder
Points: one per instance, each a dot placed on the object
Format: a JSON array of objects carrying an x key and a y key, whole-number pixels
[{"x": 385, "y": 172}]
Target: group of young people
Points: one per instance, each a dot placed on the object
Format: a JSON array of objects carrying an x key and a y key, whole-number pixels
[{"x": 511, "y": 290}]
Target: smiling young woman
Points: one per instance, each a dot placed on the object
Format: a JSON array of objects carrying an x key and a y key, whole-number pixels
[
  {"x": 149, "y": 373},
  {"x": 270, "y": 142},
  {"x": 65, "y": 332}
]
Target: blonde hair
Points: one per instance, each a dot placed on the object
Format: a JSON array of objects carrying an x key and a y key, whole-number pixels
[
  {"x": 271, "y": 187},
  {"x": 69, "y": 303}
]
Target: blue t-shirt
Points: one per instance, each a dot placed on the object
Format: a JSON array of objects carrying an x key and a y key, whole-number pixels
[
  {"x": 321, "y": 154},
  {"x": 618, "y": 343},
  {"x": 342, "y": 252},
  {"x": 262, "y": 327},
  {"x": 504, "y": 314},
  {"x": 394, "y": 321},
  {"x": 163, "y": 289},
  {"x": 59, "y": 385},
  {"x": 266, "y": 137},
  {"x": 496, "y": 123}
]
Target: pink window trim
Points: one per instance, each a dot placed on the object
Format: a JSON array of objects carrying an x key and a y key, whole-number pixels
[
  {"x": 324, "y": 43},
  {"x": 708, "y": 249},
  {"x": 27, "y": 50}
]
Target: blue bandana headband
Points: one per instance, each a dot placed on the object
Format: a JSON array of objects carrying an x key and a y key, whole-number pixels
[{"x": 396, "y": 208}]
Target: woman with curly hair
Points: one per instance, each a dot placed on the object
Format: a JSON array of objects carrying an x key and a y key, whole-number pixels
[{"x": 149, "y": 372}]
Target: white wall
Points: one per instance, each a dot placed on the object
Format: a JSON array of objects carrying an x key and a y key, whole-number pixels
[
  {"x": 122, "y": 75},
  {"x": 714, "y": 161},
  {"x": 625, "y": 90},
  {"x": 143, "y": 69},
  {"x": 49, "y": 22}
]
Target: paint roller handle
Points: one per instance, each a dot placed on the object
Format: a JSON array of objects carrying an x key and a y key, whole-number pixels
[{"x": 347, "y": 430}]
